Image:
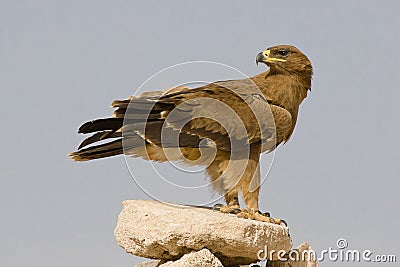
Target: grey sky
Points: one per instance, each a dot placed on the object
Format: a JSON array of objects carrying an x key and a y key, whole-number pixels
[{"x": 63, "y": 62}]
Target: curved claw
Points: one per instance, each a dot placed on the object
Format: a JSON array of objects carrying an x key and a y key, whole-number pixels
[
  {"x": 235, "y": 211},
  {"x": 266, "y": 214},
  {"x": 280, "y": 221},
  {"x": 217, "y": 207}
]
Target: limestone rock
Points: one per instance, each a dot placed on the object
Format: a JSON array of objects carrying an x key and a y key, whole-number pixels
[
  {"x": 195, "y": 259},
  {"x": 298, "y": 257},
  {"x": 156, "y": 230},
  {"x": 149, "y": 264}
]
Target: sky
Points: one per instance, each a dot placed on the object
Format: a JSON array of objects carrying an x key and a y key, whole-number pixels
[{"x": 63, "y": 62}]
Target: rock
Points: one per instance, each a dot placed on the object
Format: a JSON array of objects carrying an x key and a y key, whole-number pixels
[
  {"x": 156, "y": 230},
  {"x": 195, "y": 259},
  {"x": 298, "y": 257},
  {"x": 149, "y": 264}
]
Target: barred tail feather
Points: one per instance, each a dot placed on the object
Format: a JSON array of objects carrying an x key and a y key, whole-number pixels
[{"x": 99, "y": 151}]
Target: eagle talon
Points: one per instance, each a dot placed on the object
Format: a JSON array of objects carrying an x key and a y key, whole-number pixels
[
  {"x": 217, "y": 207},
  {"x": 235, "y": 211},
  {"x": 278, "y": 221},
  {"x": 266, "y": 214}
]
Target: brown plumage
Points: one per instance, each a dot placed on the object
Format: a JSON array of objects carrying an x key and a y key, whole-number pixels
[{"x": 223, "y": 125}]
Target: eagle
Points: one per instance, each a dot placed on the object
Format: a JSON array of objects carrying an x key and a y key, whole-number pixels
[{"x": 224, "y": 126}]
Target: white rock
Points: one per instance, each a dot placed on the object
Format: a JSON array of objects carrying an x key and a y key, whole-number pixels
[
  {"x": 298, "y": 257},
  {"x": 164, "y": 231},
  {"x": 195, "y": 259},
  {"x": 149, "y": 264}
]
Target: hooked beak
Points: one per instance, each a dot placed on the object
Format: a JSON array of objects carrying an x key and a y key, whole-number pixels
[
  {"x": 262, "y": 57},
  {"x": 265, "y": 58}
]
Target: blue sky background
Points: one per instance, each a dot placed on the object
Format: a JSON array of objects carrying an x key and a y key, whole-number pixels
[{"x": 63, "y": 62}]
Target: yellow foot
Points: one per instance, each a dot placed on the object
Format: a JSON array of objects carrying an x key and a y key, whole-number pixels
[
  {"x": 234, "y": 209},
  {"x": 246, "y": 214}
]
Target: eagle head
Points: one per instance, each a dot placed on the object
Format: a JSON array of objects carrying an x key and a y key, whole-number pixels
[{"x": 285, "y": 59}]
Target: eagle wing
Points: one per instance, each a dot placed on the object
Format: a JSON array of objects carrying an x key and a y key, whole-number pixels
[{"x": 229, "y": 115}]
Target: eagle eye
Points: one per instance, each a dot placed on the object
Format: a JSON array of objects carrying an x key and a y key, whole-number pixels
[{"x": 283, "y": 53}]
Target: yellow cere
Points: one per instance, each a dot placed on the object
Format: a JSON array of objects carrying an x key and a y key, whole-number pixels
[{"x": 272, "y": 59}]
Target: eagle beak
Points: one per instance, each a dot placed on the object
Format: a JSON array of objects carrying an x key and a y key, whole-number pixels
[{"x": 262, "y": 57}]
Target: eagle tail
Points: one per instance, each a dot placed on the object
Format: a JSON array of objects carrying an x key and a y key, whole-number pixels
[
  {"x": 135, "y": 116},
  {"x": 101, "y": 125},
  {"x": 103, "y": 129},
  {"x": 109, "y": 149},
  {"x": 111, "y": 142}
]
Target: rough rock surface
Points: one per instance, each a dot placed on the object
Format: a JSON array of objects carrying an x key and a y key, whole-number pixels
[
  {"x": 149, "y": 264},
  {"x": 205, "y": 258},
  {"x": 298, "y": 257},
  {"x": 156, "y": 230},
  {"x": 195, "y": 259}
]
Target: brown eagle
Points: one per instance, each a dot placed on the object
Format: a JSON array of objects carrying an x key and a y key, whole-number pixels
[{"x": 223, "y": 125}]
